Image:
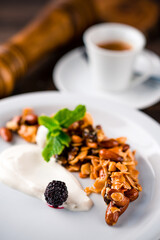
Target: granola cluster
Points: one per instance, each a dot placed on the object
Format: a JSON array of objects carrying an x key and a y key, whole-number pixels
[
  {"x": 25, "y": 125},
  {"x": 109, "y": 161}
]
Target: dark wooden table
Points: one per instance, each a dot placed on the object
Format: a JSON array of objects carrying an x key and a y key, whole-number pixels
[{"x": 15, "y": 14}]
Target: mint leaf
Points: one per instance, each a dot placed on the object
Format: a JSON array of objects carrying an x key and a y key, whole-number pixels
[
  {"x": 56, "y": 138},
  {"x": 66, "y": 117},
  {"x": 54, "y": 133},
  {"x": 62, "y": 115},
  {"x": 64, "y": 138},
  {"x": 52, "y": 147},
  {"x": 49, "y": 123}
]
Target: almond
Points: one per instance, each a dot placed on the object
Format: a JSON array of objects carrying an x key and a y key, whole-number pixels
[
  {"x": 118, "y": 197},
  {"x": 132, "y": 194},
  {"x": 111, "y": 217},
  {"x": 6, "y": 134},
  {"x": 110, "y": 143},
  {"x": 108, "y": 154}
]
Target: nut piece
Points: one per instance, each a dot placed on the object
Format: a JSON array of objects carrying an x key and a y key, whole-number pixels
[
  {"x": 111, "y": 217},
  {"x": 28, "y": 133},
  {"x": 123, "y": 209},
  {"x": 108, "y": 154},
  {"x": 86, "y": 168},
  {"x": 91, "y": 144},
  {"x": 132, "y": 194},
  {"x": 125, "y": 147},
  {"x": 121, "y": 167},
  {"x": 79, "y": 157},
  {"x": 88, "y": 120},
  {"x": 27, "y": 111},
  {"x": 31, "y": 119},
  {"x": 102, "y": 173},
  {"x": 112, "y": 167},
  {"x": 13, "y": 125},
  {"x": 81, "y": 175},
  {"x": 117, "y": 197},
  {"x": 100, "y": 133},
  {"x": 6, "y": 134},
  {"x": 76, "y": 139},
  {"x": 72, "y": 154},
  {"x": 110, "y": 143},
  {"x": 74, "y": 168},
  {"x": 121, "y": 140}
]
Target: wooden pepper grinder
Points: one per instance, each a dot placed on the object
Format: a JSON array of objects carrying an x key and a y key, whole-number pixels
[{"x": 55, "y": 26}]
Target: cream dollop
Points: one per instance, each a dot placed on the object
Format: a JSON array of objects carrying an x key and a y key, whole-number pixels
[
  {"x": 23, "y": 168},
  {"x": 41, "y": 136}
]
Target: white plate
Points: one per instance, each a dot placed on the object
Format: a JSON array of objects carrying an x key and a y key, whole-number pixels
[
  {"x": 23, "y": 217},
  {"x": 71, "y": 74}
]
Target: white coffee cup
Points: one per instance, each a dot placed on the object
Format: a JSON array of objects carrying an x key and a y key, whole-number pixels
[{"x": 110, "y": 69}]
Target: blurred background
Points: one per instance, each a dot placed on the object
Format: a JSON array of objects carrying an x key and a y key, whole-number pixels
[{"x": 16, "y": 14}]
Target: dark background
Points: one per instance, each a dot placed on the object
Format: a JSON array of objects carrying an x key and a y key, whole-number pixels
[{"x": 15, "y": 14}]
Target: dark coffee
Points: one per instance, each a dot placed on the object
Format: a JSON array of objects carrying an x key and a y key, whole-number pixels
[{"x": 115, "y": 46}]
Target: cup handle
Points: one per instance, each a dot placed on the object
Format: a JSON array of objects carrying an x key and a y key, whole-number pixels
[{"x": 138, "y": 79}]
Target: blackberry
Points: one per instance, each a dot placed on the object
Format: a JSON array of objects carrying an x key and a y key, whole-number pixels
[{"x": 56, "y": 193}]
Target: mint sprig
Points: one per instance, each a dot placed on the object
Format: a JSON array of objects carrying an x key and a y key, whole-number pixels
[{"x": 57, "y": 139}]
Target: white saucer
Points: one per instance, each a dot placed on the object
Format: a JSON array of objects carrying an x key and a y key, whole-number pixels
[{"x": 71, "y": 74}]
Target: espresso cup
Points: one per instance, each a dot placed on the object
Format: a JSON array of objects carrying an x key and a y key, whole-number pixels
[{"x": 112, "y": 69}]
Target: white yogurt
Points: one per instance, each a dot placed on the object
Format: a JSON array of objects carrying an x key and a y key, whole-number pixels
[
  {"x": 23, "y": 168},
  {"x": 41, "y": 136}
]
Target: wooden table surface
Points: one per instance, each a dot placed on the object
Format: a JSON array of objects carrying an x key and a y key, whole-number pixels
[{"x": 15, "y": 14}]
